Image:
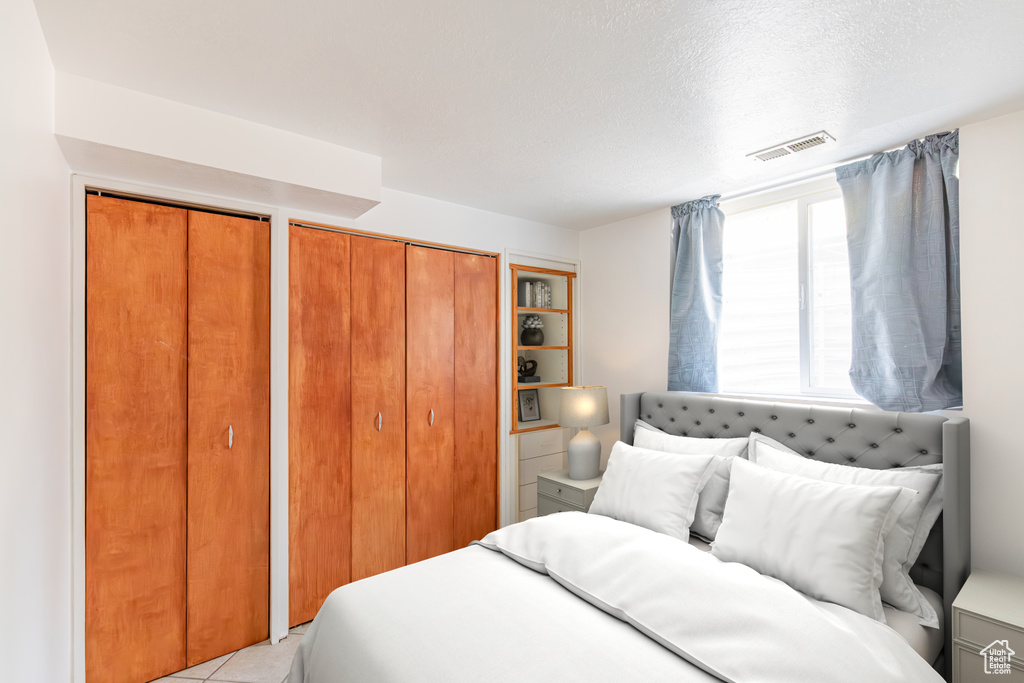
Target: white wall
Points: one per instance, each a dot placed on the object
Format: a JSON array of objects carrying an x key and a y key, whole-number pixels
[
  {"x": 992, "y": 285},
  {"x": 35, "y": 346},
  {"x": 417, "y": 217},
  {"x": 625, "y": 293}
]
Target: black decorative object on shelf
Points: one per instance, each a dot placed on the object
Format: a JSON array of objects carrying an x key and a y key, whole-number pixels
[
  {"x": 532, "y": 334},
  {"x": 532, "y": 337},
  {"x": 527, "y": 371}
]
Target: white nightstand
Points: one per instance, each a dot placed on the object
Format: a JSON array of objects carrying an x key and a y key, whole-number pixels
[
  {"x": 988, "y": 623},
  {"x": 556, "y": 492}
]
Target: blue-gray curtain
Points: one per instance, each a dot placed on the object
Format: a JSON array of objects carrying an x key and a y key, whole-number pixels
[
  {"x": 903, "y": 232},
  {"x": 696, "y": 295}
]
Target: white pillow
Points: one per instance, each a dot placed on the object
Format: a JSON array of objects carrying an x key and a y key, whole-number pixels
[
  {"x": 640, "y": 424},
  {"x": 823, "y": 539},
  {"x": 904, "y": 542},
  {"x": 652, "y": 489},
  {"x": 708, "y": 516}
]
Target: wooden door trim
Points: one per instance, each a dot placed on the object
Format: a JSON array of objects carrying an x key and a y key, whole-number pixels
[
  {"x": 514, "y": 348},
  {"x": 497, "y": 383},
  {"x": 545, "y": 271}
]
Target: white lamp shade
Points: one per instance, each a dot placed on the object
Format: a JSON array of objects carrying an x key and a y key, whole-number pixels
[{"x": 583, "y": 407}]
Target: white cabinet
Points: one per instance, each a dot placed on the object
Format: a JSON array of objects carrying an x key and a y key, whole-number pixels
[
  {"x": 539, "y": 452},
  {"x": 988, "y": 629}
]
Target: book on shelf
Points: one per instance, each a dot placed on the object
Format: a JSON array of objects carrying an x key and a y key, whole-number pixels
[
  {"x": 525, "y": 294},
  {"x": 534, "y": 294}
]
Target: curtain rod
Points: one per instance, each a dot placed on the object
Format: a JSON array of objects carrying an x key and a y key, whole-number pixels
[
  {"x": 795, "y": 179},
  {"x": 819, "y": 172}
]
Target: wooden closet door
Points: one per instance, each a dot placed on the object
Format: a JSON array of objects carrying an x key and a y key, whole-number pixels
[
  {"x": 135, "y": 440},
  {"x": 319, "y": 419},
  {"x": 378, "y": 388},
  {"x": 430, "y": 446},
  {"x": 228, "y": 434},
  {"x": 476, "y": 397}
]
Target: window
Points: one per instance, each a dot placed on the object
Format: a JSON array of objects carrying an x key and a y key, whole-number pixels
[{"x": 786, "y": 294}]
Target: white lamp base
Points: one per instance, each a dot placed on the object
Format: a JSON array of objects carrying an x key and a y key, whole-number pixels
[{"x": 584, "y": 455}]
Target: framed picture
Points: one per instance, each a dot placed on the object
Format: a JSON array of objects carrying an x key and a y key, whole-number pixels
[{"x": 529, "y": 405}]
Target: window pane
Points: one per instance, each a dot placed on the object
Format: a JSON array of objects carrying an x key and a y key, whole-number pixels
[
  {"x": 759, "y": 343},
  {"x": 830, "y": 296}
]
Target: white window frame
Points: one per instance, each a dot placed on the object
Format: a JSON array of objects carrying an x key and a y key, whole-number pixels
[
  {"x": 805, "y": 193},
  {"x": 806, "y": 279}
]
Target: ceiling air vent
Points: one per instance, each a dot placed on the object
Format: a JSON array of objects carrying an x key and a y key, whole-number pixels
[{"x": 793, "y": 146}]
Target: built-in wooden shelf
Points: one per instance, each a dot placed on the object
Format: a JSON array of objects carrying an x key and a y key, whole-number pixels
[
  {"x": 543, "y": 310},
  {"x": 535, "y": 426},
  {"x": 557, "y": 360}
]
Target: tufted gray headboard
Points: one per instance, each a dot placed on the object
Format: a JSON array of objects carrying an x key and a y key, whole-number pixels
[{"x": 862, "y": 438}]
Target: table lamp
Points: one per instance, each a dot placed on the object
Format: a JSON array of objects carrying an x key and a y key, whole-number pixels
[{"x": 584, "y": 407}]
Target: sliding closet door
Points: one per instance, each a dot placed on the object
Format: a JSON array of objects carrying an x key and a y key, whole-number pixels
[
  {"x": 430, "y": 304},
  {"x": 378, "y": 406},
  {"x": 476, "y": 397},
  {"x": 135, "y": 440},
  {"x": 228, "y": 434},
  {"x": 319, "y": 419}
]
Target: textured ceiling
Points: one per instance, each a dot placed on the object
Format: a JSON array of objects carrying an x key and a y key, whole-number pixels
[{"x": 570, "y": 112}]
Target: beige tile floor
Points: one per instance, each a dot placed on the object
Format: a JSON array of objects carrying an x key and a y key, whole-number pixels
[{"x": 259, "y": 663}]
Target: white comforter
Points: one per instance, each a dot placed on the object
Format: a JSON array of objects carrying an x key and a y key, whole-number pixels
[{"x": 653, "y": 608}]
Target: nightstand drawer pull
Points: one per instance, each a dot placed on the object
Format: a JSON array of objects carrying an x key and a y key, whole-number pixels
[{"x": 568, "y": 494}]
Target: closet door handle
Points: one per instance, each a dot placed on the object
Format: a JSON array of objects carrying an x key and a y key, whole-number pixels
[
  {"x": 431, "y": 421},
  {"x": 378, "y": 421},
  {"x": 231, "y": 436}
]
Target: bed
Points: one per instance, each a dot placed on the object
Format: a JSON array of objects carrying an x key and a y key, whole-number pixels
[{"x": 577, "y": 596}]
